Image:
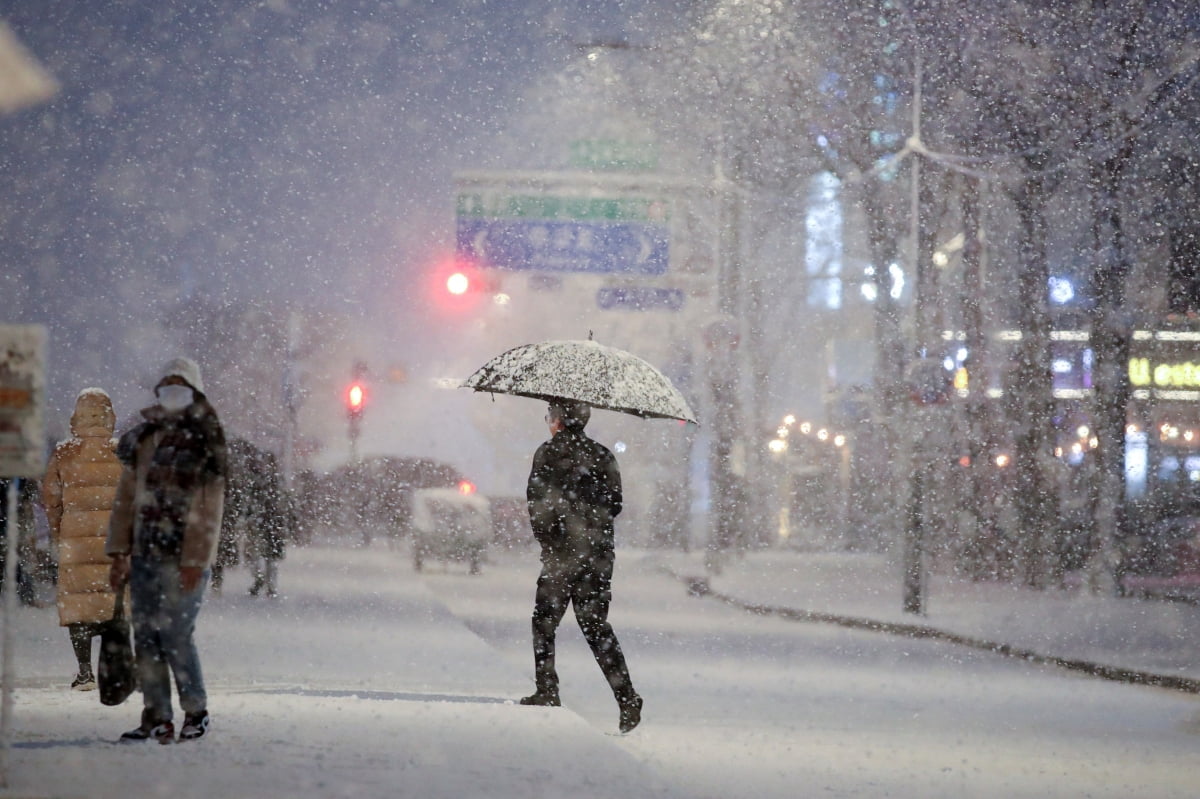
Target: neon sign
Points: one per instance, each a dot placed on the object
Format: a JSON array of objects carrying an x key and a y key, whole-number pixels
[{"x": 1185, "y": 374}]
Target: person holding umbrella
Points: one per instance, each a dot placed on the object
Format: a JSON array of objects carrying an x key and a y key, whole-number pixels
[{"x": 574, "y": 493}]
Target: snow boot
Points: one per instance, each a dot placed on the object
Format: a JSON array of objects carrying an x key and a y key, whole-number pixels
[
  {"x": 631, "y": 712},
  {"x": 542, "y": 699}
]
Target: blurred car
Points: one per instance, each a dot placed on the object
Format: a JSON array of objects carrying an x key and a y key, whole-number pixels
[
  {"x": 367, "y": 498},
  {"x": 1164, "y": 559},
  {"x": 510, "y": 522},
  {"x": 449, "y": 525}
]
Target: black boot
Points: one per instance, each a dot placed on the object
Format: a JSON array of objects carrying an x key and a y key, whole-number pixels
[
  {"x": 631, "y": 712},
  {"x": 85, "y": 680},
  {"x": 542, "y": 699}
]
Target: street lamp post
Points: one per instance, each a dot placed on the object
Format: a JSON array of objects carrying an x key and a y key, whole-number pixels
[{"x": 722, "y": 338}]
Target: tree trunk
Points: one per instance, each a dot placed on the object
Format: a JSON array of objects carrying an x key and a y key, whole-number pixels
[
  {"x": 977, "y": 556},
  {"x": 1029, "y": 395},
  {"x": 1110, "y": 339},
  {"x": 891, "y": 355}
]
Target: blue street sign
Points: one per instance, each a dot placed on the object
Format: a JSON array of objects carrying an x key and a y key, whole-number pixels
[
  {"x": 565, "y": 245},
  {"x": 639, "y": 298}
]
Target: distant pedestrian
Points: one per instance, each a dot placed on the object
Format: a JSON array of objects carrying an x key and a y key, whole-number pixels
[
  {"x": 263, "y": 506},
  {"x": 574, "y": 493},
  {"x": 163, "y": 537},
  {"x": 77, "y": 493},
  {"x": 239, "y": 452},
  {"x": 26, "y": 538}
]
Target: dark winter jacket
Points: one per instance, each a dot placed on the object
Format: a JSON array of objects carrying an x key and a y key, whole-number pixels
[
  {"x": 574, "y": 493},
  {"x": 171, "y": 495},
  {"x": 256, "y": 498}
]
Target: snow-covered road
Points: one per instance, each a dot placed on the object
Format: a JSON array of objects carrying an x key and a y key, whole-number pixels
[{"x": 368, "y": 680}]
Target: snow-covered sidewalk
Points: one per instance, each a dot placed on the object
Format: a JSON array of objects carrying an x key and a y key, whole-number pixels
[
  {"x": 357, "y": 682},
  {"x": 1149, "y": 635}
]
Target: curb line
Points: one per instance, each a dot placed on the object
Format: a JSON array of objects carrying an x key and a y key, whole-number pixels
[{"x": 699, "y": 587}]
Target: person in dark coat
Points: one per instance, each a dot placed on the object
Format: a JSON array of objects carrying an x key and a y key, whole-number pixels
[
  {"x": 268, "y": 516},
  {"x": 238, "y": 453},
  {"x": 258, "y": 513},
  {"x": 26, "y": 543},
  {"x": 574, "y": 493}
]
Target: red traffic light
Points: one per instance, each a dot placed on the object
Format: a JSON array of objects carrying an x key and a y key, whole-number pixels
[
  {"x": 356, "y": 398},
  {"x": 469, "y": 280},
  {"x": 458, "y": 283},
  {"x": 459, "y": 286},
  {"x": 466, "y": 487}
]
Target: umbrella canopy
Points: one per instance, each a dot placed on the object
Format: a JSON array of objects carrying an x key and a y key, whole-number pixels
[{"x": 584, "y": 371}]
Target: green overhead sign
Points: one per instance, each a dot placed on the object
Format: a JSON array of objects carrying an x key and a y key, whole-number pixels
[
  {"x": 547, "y": 206},
  {"x": 615, "y": 154}
]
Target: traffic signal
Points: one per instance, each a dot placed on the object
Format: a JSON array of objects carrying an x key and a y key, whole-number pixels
[
  {"x": 460, "y": 286},
  {"x": 356, "y": 399},
  {"x": 458, "y": 283}
]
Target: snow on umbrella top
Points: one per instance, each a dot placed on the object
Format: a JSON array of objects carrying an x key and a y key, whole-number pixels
[{"x": 584, "y": 371}]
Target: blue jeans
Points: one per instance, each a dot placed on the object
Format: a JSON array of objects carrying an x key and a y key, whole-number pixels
[{"x": 164, "y": 619}]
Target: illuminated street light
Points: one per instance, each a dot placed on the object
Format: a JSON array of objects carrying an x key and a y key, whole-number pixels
[{"x": 777, "y": 446}]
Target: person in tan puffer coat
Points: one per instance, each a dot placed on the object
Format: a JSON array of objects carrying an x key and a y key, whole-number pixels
[{"x": 77, "y": 492}]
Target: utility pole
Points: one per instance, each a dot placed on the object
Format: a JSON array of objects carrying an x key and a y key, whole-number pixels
[
  {"x": 723, "y": 337},
  {"x": 292, "y": 399},
  {"x": 926, "y": 385},
  {"x": 920, "y": 470}
]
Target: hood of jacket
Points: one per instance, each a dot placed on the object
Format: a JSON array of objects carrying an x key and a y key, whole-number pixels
[{"x": 93, "y": 414}]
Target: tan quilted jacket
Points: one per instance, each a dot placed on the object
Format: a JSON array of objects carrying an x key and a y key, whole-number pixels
[{"x": 77, "y": 492}]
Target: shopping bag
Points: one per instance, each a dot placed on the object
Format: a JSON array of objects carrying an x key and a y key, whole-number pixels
[{"x": 115, "y": 676}]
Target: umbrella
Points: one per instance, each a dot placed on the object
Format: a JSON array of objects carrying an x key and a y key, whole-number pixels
[{"x": 584, "y": 371}]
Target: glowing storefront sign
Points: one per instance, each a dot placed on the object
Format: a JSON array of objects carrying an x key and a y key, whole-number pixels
[{"x": 1185, "y": 374}]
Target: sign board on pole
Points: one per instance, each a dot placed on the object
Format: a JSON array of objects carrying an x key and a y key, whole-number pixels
[
  {"x": 640, "y": 298},
  {"x": 22, "y": 397},
  {"x": 624, "y": 154},
  {"x": 563, "y": 233},
  {"x": 22, "y": 454}
]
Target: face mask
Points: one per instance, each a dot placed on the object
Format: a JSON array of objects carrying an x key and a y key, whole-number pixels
[{"x": 175, "y": 398}]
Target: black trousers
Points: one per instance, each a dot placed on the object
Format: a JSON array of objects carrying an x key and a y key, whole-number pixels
[
  {"x": 82, "y": 634},
  {"x": 586, "y": 583}
]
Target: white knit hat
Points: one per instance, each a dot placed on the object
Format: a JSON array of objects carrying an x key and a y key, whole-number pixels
[{"x": 186, "y": 368}]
